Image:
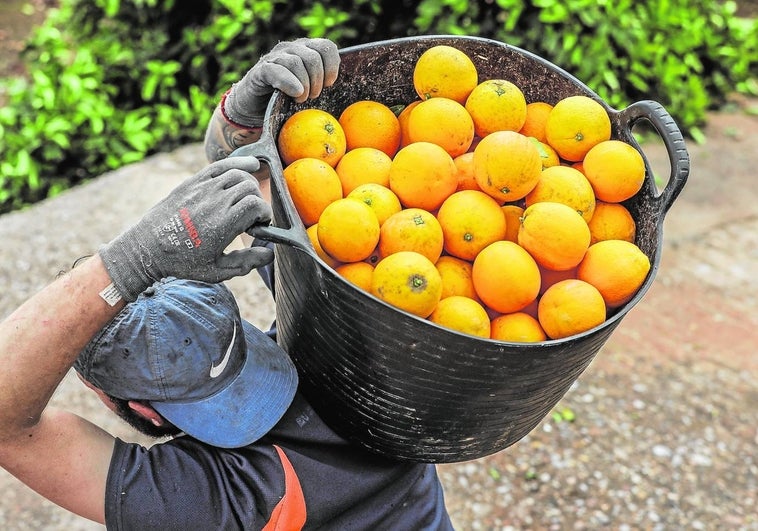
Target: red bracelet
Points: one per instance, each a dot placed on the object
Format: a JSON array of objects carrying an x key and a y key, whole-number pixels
[{"x": 229, "y": 120}]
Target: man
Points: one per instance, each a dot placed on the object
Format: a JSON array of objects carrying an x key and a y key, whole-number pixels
[{"x": 171, "y": 352}]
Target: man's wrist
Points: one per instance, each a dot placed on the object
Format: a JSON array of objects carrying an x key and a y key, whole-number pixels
[
  {"x": 232, "y": 118},
  {"x": 111, "y": 295},
  {"x": 128, "y": 275},
  {"x": 104, "y": 286},
  {"x": 222, "y": 137}
]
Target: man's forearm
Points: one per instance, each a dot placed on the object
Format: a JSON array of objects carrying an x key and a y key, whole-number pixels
[
  {"x": 40, "y": 341},
  {"x": 222, "y": 137}
]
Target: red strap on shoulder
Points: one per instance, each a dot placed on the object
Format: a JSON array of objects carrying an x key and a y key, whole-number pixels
[{"x": 290, "y": 513}]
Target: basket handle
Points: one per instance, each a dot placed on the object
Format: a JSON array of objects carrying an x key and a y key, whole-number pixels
[
  {"x": 673, "y": 141},
  {"x": 275, "y": 234},
  {"x": 265, "y": 149}
]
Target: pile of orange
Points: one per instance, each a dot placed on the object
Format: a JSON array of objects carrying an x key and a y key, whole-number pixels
[{"x": 472, "y": 207}]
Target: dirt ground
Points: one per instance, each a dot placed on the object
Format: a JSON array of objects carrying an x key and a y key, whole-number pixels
[{"x": 16, "y": 19}]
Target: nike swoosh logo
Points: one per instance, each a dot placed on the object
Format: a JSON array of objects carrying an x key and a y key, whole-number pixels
[{"x": 216, "y": 370}]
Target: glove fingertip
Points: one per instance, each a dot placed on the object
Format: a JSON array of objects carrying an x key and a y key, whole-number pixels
[{"x": 240, "y": 262}]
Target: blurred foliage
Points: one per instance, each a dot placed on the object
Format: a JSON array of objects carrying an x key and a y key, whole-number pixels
[{"x": 112, "y": 81}]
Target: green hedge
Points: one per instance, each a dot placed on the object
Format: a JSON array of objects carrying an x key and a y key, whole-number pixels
[{"x": 112, "y": 81}]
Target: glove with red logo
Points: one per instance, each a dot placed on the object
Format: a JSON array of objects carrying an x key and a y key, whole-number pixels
[
  {"x": 185, "y": 235},
  {"x": 300, "y": 69}
]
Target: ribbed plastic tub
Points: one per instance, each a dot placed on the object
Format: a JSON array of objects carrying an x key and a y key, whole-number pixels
[{"x": 400, "y": 385}]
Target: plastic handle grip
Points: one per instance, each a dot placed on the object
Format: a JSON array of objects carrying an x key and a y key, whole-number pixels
[
  {"x": 673, "y": 141},
  {"x": 265, "y": 149}
]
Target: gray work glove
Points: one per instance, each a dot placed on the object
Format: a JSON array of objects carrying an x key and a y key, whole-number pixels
[
  {"x": 300, "y": 69},
  {"x": 186, "y": 233}
]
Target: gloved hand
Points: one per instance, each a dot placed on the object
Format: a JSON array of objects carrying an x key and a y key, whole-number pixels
[
  {"x": 300, "y": 69},
  {"x": 186, "y": 233}
]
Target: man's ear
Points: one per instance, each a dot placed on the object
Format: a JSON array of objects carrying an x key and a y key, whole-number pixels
[{"x": 144, "y": 410}]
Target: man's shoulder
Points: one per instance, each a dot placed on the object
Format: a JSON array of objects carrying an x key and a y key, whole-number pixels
[{"x": 302, "y": 423}]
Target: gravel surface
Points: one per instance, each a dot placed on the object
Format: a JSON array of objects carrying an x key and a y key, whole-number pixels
[{"x": 660, "y": 432}]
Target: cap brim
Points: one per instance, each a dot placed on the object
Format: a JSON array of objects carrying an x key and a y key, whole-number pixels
[{"x": 248, "y": 408}]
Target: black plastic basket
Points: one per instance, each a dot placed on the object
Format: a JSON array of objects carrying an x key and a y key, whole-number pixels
[{"x": 400, "y": 385}]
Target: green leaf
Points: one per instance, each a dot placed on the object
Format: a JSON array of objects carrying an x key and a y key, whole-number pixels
[
  {"x": 610, "y": 79},
  {"x": 568, "y": 415},
  {"x": 697, "y": 135},
  {"x": 23, "y": 163},
  {"x": 111, "y": 7}
]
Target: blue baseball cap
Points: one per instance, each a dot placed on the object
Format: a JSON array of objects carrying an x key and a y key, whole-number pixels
[{"x": 184, "y": 348}]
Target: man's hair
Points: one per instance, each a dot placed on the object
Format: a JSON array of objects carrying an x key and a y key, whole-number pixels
[{"x": 140, "y": 423}]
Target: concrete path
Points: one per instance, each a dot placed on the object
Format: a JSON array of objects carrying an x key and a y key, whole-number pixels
[{"x": 666, "y": 422}]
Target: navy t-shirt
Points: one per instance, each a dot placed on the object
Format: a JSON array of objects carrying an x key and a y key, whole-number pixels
[
  {"x": 300, "y": 474},
  {"x": 185, "y": 484}
]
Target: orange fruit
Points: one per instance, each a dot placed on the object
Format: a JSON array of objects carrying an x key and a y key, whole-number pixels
[
  {"x": 517, "y": 327},
  {"x": 548, "y": 155},
  {"x": 381, "y": 199},
  {"x": 567, "y": 185},
  {"x": 411, "y": 229},
  {"x": 611, "y": 221},
  {"x": 507, "y": 165},
  {"x": 456, "y": 277},
  {"x": 496, "y": 105},
  {"x": 348, "y": 230},
  {"x": 311, "y": 133},
  {"x": 444, "y": 72},
  {"x": 423, "y": 175},
  {"x": 402, "y": 117},
  {"x": 575, "y": 124},
  {"x": 363, "y": 165},
  {"x": 570, "y": 307},
  {"x": 512, "y": 215},
  {"x": 444, "y": 122},
  {"x": 470, "y": 221},
  {"x": 462, "y": 315},
  {"x": 465, "y": 166},
  {"x": 615, "y": 169},
  {"x": 617, "y": 268},
  {"x": 536, "y": 117},
  {"x": 550, "y": 277},
  {"x": 506, "y": 277},
  {"x": 409, "y": 281},
  {"x": 357, "y": 273},
  {"x": 369, "y": 123},
  {"x": 312, "y": 184},
  {"x": 554, "y": 234},
  {"x": 312, "y": 232}
]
